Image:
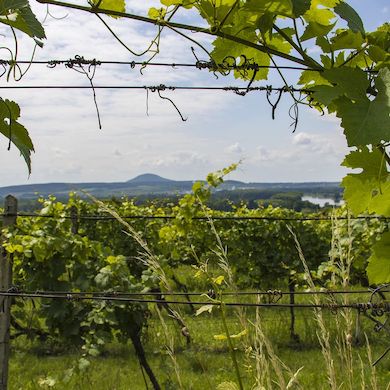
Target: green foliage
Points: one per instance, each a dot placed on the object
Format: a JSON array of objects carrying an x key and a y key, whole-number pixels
[
  {"x": 111, "y": 5},
  {"x": 14, "y": 131},
  {"x": 48, "y": 256},
  {"x": 367, "y": 121},
  {"x": 370, "y": 189},
  {"x": 352, "y": 241},
  {"x": 378, "y": 269}
]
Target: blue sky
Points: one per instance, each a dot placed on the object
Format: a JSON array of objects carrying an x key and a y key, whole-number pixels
[{"x": 221, "y": 128}]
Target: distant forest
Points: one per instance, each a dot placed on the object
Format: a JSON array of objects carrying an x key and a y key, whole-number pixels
[
  {"x": 224, "y": 200},
  {"x": 227, "y": 200}
]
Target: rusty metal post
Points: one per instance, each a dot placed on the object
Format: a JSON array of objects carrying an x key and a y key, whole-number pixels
[{"x": 9, "y": 219}]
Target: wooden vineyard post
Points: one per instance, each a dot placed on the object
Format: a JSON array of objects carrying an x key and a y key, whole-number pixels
[
  {"x": 294, "y": 337},
  {"x": 9, "y": 219},
  {"x": 74, "y": 217}
]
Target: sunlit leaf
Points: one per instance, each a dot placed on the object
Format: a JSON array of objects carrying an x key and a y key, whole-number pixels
[
  {"x": 112, "y": 5},
  {"x": 156, "y": 13},
  {"x": 219, "y": 280},
  {"x": 368, "y": 190},
  {"x": 378, "y": 270}
]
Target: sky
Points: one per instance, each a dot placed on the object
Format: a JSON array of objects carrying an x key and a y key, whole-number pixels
[{"x": 147, "y": 136}]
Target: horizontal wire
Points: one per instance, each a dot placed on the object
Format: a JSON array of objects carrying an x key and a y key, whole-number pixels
[
  {"x": 161, "y": 87},
  {"x": 199, "y": 218},
  {"x": 275, "y": 293},
  {"x": 199, "y": 64},
  {"x": 210, "y": 65},
  {"x": 360, "y": 306}
]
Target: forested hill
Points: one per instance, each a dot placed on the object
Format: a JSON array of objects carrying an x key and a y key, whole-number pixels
[{"x": 154, "y": 184}]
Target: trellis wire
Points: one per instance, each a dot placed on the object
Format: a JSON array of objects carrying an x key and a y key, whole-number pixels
[
  {"x": 197, "y": 218},
  {"x": 209, "y": 65},
  {"x": 361, "y": 306},
  {"x": 270, "y": 293},
  {"x": 163, "y": 87}
]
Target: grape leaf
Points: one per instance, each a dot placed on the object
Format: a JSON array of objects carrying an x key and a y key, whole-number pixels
[
  {"x": 367, "y": 121},
  {"x": 309, "y": 78},
  {"x": 277, "y": 7},
  {"x": 319, "y": 14},
  {"x": 380, "y": 37},
  {"x": 314, "y": 29},
  {"x": 215, "y": 11},
  {"x": 265, "y": 22},
  {"x": 168, "y": 3},
  {"x": 346, "y": 12},
  {"x": 378, "y": 270},
  {"x": 112, "y": 5},
  {"x": 25, "y": 19},
  {"x": 156, "y": 13},
  {"x": 14, "y": 131},
  {"x": 224, "y": 47},
  {"x": 8, "y": 5},
  {"x": 350, "y": 83},
  {"x": 366, "y": 195},
  {"x": 278, "y": 42},
  {"x": 300, "y": 7},
  {"x": 344, "y": 39},
  {"x": 370, "y": 189}
]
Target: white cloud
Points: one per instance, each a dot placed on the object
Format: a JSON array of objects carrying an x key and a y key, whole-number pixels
[
  {"x": 302, "y": 139},
  {"x": 263, "y": 154},
  {"x": 235, "y": 148}
]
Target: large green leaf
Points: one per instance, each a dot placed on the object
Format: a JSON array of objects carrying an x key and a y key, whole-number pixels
[
  {"x": 342, "y": 82},
  {"x": 346, "y": 12},
  {"x": 367, "y": 121},
  {"x": 14, "y": 131},
  {"x": 378, "y": 270},
  {"x": 370, "y": 189},
  {"x": 25, "y": 20}
]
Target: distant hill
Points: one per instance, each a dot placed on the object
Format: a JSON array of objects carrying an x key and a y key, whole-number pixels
[
  {"x": 149, "y": 183},
  {"x": 149, "y": 178}
]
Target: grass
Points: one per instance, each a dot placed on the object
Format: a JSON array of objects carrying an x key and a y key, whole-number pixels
[{"x": 204, "y": 365}]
